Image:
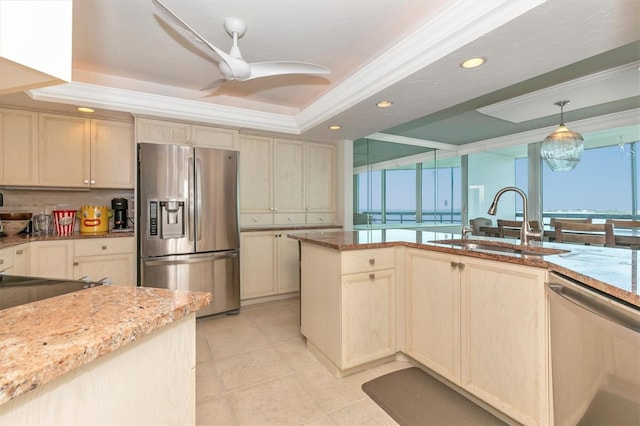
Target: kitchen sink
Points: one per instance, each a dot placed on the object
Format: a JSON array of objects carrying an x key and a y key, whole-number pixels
[{"x": 501, "y": 247}]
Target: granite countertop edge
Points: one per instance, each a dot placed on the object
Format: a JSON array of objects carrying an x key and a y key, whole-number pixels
[
  {"x": 43, "y": 340},
  {"x": 583, "y": 257}
]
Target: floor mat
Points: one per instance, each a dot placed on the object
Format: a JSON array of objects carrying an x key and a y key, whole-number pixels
[{"x": 413, "y": 397}]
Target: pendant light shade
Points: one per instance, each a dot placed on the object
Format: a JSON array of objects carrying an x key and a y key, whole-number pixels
[{"x": 562, "y": 149}]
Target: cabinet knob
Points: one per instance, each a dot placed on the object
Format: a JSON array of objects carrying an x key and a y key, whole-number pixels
[
  {"x": 454, "y": 264},
  {"x": 290, "y": 219},
  {"x": 1, "y": 261},
  {"x": 93, "y": 182},
  {"x": 255, "y": 219},
  {"x": 86, "y": 181},
  {"x": 460, "y": 265},
  {"x": 275, "y": 209},
  {"x": 372, "y": 276},
  {"x": 372, "y": 261},
  {"x": 321, "y": 218},
  {"x": 19, "y": 251},
  {"x": 75, "y": 263},
  {"x": 104, "y": 247}
]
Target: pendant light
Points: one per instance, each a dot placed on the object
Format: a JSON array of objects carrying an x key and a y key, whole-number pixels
[{"x": 562, "y": 149}]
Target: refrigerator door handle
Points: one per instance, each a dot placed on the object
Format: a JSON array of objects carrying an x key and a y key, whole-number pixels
[
  {"x": 198, "y": 199},
  {"x": 191, "y": 195},
  {"x": 160, "y": 262}
]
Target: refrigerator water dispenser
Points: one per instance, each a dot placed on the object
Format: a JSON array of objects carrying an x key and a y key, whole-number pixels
[{"x": 166, "y": 219}]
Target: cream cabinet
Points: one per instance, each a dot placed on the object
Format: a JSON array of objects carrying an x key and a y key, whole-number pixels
[
  {"x": 149, "y": 130},
  {"x": 504, "y": 339},
  {"x": 348, "y": 306},
  {"x": 18, "y": 147},
  {"x": 286, "y": 182},
  {"x": 22, "y": 259},
  {"x": 109, "y": 259},
  {"x": 83, "y": 153},
  {"x": 268, "y": 264},
  {"x": 481, "y": 324},
  {"x": 7, "y": 260},
  {"x": 52, "y": 259},
  {"x": 433, "y": 311},
  {"x": 112, "y": 154}
]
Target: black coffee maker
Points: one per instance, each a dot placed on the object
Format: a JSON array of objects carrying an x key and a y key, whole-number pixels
[{"x": 119, "y": 206}]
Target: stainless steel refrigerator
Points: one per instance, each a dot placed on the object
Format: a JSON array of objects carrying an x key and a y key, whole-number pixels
[{"x": 188, "y": 222}]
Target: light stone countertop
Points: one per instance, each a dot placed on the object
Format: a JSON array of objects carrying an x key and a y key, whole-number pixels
[
  {"x": 43, "y": 340},
  {"x": 613, "y": 271}
]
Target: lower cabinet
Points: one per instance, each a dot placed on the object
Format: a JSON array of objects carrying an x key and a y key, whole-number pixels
[
  {"x": 52, "y": 259},
  {"x": 22, "y": 265},
  {"x": 268, "y": 264},
  {"x": 111, "y": 259},
  {"x": 93, "y": 258},
  {"x": 7, "y": 260},
  {"x": 348, "y": 305},
  {"x": 482, "y": 325}
]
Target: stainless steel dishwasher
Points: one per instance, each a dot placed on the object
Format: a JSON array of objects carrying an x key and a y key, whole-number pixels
[{"x": 595, "y": 356}]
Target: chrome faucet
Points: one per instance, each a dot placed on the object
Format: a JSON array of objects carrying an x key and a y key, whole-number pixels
[
  {"x": 465, "y": 229},
  {"x": 525, "y": 231}
]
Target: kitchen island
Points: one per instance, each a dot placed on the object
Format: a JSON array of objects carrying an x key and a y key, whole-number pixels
[
  {"x": 476, "y": 316},
  {"x": 103, "y": 355}
]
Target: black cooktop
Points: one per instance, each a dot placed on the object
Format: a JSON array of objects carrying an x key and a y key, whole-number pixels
[{"x": 17, "y": 290}]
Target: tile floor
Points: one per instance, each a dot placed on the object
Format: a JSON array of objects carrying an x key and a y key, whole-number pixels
[{"x": 254, "y": 369}]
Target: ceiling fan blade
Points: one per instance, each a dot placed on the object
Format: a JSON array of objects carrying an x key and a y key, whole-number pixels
[
  {"x": 214, "y": 85},
  {"x": 265, "y": 69},
  {"x": 235, "y": 65}
]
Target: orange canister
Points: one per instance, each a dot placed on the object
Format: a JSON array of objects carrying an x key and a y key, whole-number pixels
[{"x": 94, "y": 219}]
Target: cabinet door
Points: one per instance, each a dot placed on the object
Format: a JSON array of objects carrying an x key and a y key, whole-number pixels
[
  {"x": 503, "y": 338},
  {"x": 65, "y": 149},
  {"x": 160, "y": 131},
  {"x": 118, "y": 269},
  {"x": 112, "y": 154},
  {"x": 321, "y": 177},
  {"x": 256, "y": 178},
  {"x": 213, "y": 137},
  {"x": 288, "y": 176},
  {"x": 257, "y": 264},
  {"x": 18, "y": 147},
  {"x": 52, "y": 259},
  {"x": 22, "y": 259},
  {"x": 368, "y": 317},
  {"x": 7, "y": 260},
  {"x": 288, "y": 275},
  {"x": 433, "y": 311}
]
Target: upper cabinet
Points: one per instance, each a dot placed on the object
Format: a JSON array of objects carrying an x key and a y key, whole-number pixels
[
  {"x": 53, "y": 150},
  {"x": 35, "y": 44},
  {"x": 84, "y": 153},
  {"x": 18, "y": 147},
  {"x": 286, "y": 182},
  {"x": 172, "y": 132}
]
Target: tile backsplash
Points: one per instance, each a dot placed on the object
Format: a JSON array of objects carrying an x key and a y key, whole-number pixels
[{"x": 37, "y": 200}]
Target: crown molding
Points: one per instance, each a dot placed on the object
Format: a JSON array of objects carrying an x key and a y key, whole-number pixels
[
  {"x": 606, "y": 86},
  {"x": 457, "y": 26},
  {"x": 164, "y": 107}
]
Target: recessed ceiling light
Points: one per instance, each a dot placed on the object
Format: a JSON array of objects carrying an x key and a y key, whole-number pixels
[
  {"x": 473, "y": 62},
  {"x": 335, "y": 127},
  {"x": 85, "y": 109},
  {"x": 384, "y": 104}
]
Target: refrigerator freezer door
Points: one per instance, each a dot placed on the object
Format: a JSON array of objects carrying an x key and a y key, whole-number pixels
[
  {"x": 165, "y": 196},
  {"x": 217, "y": 273},
  {"x": 216, "y": 216}
]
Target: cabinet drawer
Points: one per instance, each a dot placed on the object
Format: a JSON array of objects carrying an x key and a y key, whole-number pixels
[
  {"x": 253, "y": 219},
  {"x": 288, "y": 218},
  {"x": 318, "y": 218},
  {"x": 359, "y": 261},
  {"x": 100, "y": 246},
  {"x": 7, "y": 258}
]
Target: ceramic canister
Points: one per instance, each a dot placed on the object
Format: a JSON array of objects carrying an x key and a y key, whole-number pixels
[{"x": 94, "y": 219}]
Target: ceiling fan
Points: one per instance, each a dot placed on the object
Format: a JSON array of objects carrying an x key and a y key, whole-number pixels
[{"x": 233, "y": 66}]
